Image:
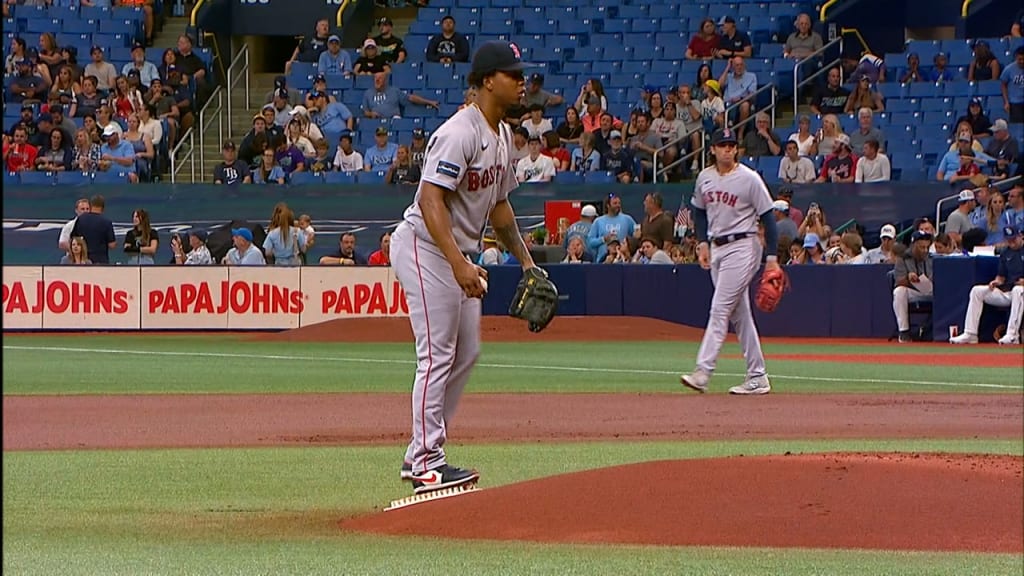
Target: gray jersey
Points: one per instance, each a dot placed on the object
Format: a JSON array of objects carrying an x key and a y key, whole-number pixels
[
  {"x": 467, "y": 158},
  {"x": 733, "y": 202}
]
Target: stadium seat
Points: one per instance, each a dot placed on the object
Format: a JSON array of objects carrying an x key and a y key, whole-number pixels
[
  {"x": 73, "y": 178},
  {"x": 339, "y": 178},
  {"x": 568, "y": 177},
  {"x": 110, "y": 177},
  {"x": 300, "y": 178},
  {"x": 31, "y": 178},
  {"x": 370, "y": 177},
  {"x": 598, "y": 177}
]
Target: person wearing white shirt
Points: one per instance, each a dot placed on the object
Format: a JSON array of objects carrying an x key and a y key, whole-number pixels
[
  {"x": 64, "y": 241},
  {"x": 346, "y": 159},
  {"x": 536, "y": 124},
  {"x": 536, "y": 167},
  {"x": 795, "y": 168},
  {"x": 872, "y": 167}
]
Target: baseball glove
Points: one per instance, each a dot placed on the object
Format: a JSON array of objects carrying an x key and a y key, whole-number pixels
[
  {"x": 773, "y": 284},
  {"x": 536, "y": 299}
]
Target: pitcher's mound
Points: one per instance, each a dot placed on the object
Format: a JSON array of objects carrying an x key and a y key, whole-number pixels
[{"x": 877, "y": 501}]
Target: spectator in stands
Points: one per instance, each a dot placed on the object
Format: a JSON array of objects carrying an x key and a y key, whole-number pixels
[
  {"x": 804, "y": 41},
  {"x": 310, "y": 48},
  {"x": 957, "y": 160},
  {"x": 243, "y": 253},
  {"x": 852, "y": 248},
  {"x": 147, "y": 70},
  {"x": 581, "y": 228},
  {"x": 55, "y": 156},
  {"x": 815, "y": 223},
  {"x": 281, "y": 82},
  {"x": 671, "y": 132},
  {"x": 150, "y": 126},
  {"x": 402, "y": 170},
  {"x": 297, "y": 139},
  {"x": 618, "y": 159},
  {"x": 658, "y": 225},
  {"x": 689, "y": 112},
  {"x": 959, "y": 221},
  {"x": 288, "y": 156},
  {"x": 142, "y": 241},
  {"x": 448, "y": 46},
  {"x": 873, "y": 166},
  {"x": 712, "y": 107},
  {"x": 89, "y": 123},
  {"x": 613, "y": 226},
  {"x": 418, "y": 147},
  {"x": 812, "y": 252},
  {"x": 864, "y": 97},
  {"x": 78, "y": 252},
  {"x": 331, "y": 117},
  {"x": 866, "y": 130},
  {"x": 797, "y": 254},
  {"x": 732, "y": 42},
  {"x": 536, "y": 124},
  {"x": 268, "y": 171},
  {"x": 19, "y": 155},
  {"x": 652, "y": 253},
  {"x": 308, "y": 128},
  {"x": 795, "y": 168},
  {"x": 1015, "y": 30},
  {"x": 1013, "y": 99},
  {"x": 994, "y": 220},
  {"x": 644, "y": 146},
  {"x": 591, "y": 90},
  {"x": 1013, "y": 215},
  {"x": 371, "y": 62},
  {"x": 705, "y": 43},
  {"x": 939, "y": 71},
  {"x": 164, "y": 108},
  {"x": 391, "y": 47},
  {"x": 535, "y": 167},
  {"x": 382, "y": 256},
  {"x": 320, "y": 161},
  {"x": 553, "y": 149},
  {"x": 346, "y": 254},
  {"x": 231, "y": 172},
  {"x": 740, "y": 86},
  {"x": 520, "y": 145},
  {"x": 383, "y": 101},
  {"x": 97, "y": 230},
  {"x": 198, "y": 254},
  {"x": 18, "y": 53},
  {"x": 105, "y": 117},
  {"x": 703, "y": 75},
  {"x": 1006, "y": 289},
  {"x": 984, "y": 65},
  {"x": 70, "y": 56},
  {"x": 656, "y": 105},
  {"x": 832, "y": 98},
  {"x": 594, "y": 115},
  {"x": 116, "y": 153},
  {"x": 284, "y": 243},
  {"x": 147, "y": 12},
  {"x": 785, "y": 225},
  {"x": 914, "y": 72},
  {"x": 981, "y": 127},
  {"x": 586, "y": 158},
  {"x": 468, "y": 97},
  {"x": 536, "y": 94},
  {"x": 26, "y": 86},
  {"x": 346, "y": 159},
  {"x": 166, "y": 64},
  {"x": 871, "y": 67},
  {"x": 41, "y": 137},
  {"x": 570, "y": 129},
  {"x": 830, "y": 130},
  {"x": 66, "y": 89},
  {"x": 103, "y": 71},
  {"x": 126, "y": 100},
  {"x": 786, "y": 193},
  {"x": 884, "y": 253},
  {"x": 281, "y": 109},
  {"x": 182, "y": 95},
  {"x": 334, "y": 61},
  {"x": 841, "y": 165},
  {"x": 379, "y": 157},
  {"x": 964, "y": 128},
  {"x": 1002, "y": 147},
  {"x": 145, "y": 153},
  {"x": 575, "y": 253},
  {"x": 86, "y": 154},
  {"x": 762, "y": 141}
]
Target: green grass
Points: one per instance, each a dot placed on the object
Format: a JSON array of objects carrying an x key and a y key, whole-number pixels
[
  {"x": 111, "y": 364},
  {"x": 273, "y": 511}
]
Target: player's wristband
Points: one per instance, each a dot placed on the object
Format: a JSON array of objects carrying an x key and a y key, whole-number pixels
[{"x": 771, "y": 258}]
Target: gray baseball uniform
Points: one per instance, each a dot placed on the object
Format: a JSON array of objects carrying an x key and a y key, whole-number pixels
[
  {"x": 734, "y": 203},
  {"x": 467, "y": 158}
]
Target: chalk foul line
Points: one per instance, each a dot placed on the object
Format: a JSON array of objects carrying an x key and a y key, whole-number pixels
[{"x": 580, "y": 369}]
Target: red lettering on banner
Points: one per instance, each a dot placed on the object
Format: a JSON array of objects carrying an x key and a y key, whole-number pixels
[
  {"x": 238, "y": 297},
  {"x": 59, "y": 297},
  {"x": 370, "y": 299},
  {"x": 398, "y": 301}
]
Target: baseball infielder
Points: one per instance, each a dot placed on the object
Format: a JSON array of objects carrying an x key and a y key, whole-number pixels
[
  {"x": 467, "y": 176},
  {"x": 728, "y": 199}
]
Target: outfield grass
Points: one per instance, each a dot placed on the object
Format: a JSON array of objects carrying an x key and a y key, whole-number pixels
[
  {"x": 113, "y": 364},
  {"x": 273, "y": 511}
]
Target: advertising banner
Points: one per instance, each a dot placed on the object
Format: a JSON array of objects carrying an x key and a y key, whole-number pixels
[
  {"x": 88, "y": 297},
  {"x": 22, "y": 297},
  {"x": 344, "y": 292},
  {"x": 262, "y": 297},
  {"x": 181, "y": 298}
]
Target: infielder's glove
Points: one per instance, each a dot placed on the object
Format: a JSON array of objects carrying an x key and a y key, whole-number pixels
[
  {"x": 536, "y": 299},
  {"x": 773, "y": 284}
]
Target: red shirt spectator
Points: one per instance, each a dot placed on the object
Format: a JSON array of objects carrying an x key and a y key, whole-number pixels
[
  {"x": 19, "y": 155},
  {"x": 703, "y": 44},
  {"x": 379, "y": 258}
]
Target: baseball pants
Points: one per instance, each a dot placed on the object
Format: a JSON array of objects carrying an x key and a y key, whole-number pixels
[
  {"x": 901, "y": 299},
  {"x": 981, "y": 295},
  {"x": 446, "y": 324}
]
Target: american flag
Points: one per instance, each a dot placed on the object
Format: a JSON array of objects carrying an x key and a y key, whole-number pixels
[{"x": 684, "y": 221}]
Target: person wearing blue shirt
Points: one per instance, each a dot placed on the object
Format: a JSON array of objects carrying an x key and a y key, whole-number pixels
[
  {"x": 950, "y": 162},
  {"x": 147, "y": 70},
  {"x": 381, "y": 156},
  {"x": 1014, "y": 213},
  {"x": 739, "y": 84},
  {"x": 939, "y": 72},
  {"x": 614, "y": 225},
  {"x": 383, "y": 101},
  {"x": 581, "y": 229},
  {"x": 115, "y": 151},
  {"x": 244, "y": 253},
  {"x": 586, "y": 158},
  {"x": 1012, "y": 80},
  {"x": 334, "y": 61},
  {"x": 333, "y": 117}
]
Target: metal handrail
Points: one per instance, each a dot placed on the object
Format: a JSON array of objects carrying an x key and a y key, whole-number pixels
[
  {"x": 699, "y": 150},
  {"x": 824, "y": 9},
  {"x": 218, "y": 116},
  {"x": 863, "y": 43},
  {"x": 965, "y": 8},
  {"x": 683, "y": 138},
  {"x": 797, "y": 83},
  {"x": 842, "y": 227},
  {"x": 216, "y": 54},
  {"x": 243, "y": 54},
  {"x": 195, "y": 12},
  {"x": 943, "y": 200},
  {"x": 736, "y": 105},
  {"x": 339, "y": 17},
  {"x": 189, "y": 137}
]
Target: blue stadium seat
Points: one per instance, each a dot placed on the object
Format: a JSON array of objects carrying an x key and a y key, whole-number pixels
[
  {"x": 925, "y": 90},
  {"x": 302, "y": 178},
  {"x": 73, "y": 178},
  {"x": 76, "y": 26},
  {"x": 568, "y": 177},
  {"x": 370, "y": 177},
  {"x": 31, "y": 178},
  {"x": 339, "y": 178},
  {"x": 598, "y": 177},
  {"x": 110, "y": 177},
  {"x": 988, "y": 88},
  {"x": 11, "y": 178}
]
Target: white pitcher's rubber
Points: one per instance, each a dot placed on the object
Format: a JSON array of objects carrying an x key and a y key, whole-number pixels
[{"x": 432, "y": 495}]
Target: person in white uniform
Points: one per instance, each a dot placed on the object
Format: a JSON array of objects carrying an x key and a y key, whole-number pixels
[
  {"x": 467, "y": 177},
  {"x": 728, "y": 200}
]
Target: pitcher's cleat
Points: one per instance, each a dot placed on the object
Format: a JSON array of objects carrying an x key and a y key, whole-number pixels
[
  {"x": 406, "y": 473},
  {"x": 697, "y": 381},
  {"x": 433, "y": 495},
  {"x": 757, "y": 385},
  {"x": 443, "y": 476}
]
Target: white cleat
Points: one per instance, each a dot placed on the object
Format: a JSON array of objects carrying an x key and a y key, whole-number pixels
[
  {"x": 1008, "y": 340},
  {"x": 757, "y": 385},
  {"x": 697, "y": 381},
  {"x": 965, "y": 338}
]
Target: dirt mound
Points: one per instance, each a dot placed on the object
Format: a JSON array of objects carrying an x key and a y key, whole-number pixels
[
  {"x": 495, "y": 329},
  {"x": 936, "y": 502}
]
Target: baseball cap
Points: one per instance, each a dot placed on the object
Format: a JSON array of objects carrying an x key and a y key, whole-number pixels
[
  {"x": 920, "y": 235},
  {"x": 44, "y": 118},
  {"x": 282, "y": 93},
  {"x": 333, "y": 38},
  {"x": 537, "y": 78},
  {"x": 345, "y": 134},
  {"x": 133, "y": 72},
  {"x": 138, "y": 46},
  {"x": 96, "y": 48},
  {"x": 243, "y": 232},
  {"x": 843, "y": 139},
  {"x": 448, "y": 17},
  {"x": 229, "y": 145},
  {"x": 725, "y": 19},
  {"x": 319, "y": 78},
  {"x": 888, "y": 231},
  {"x": 369, "y": 43},
  {"x": 385, "y": 21},
  {"x": 966, "y": 196},
  {"x": 785, "y": 192},
  {"x": 280, "y": 82},
  {"x": 381, "y": 131},
  {"x": 1011, "y": 231},
  {"x": 201, "y": 234},
  {"x": 615, "y": 134},
  {"x": 498, "y": 55},
  {"x": 589, "y": 211},
  {"x": 811, "y": 240},
  {"x": 317, "y": 94},
  {"x": 300, "y": 109},
  {"x": 110, "y": 130},
  {"x": 781, "y": 205},
  {"x": 999, "y": 125},
  {"x": 724, "y": 136},
  {"x": 713, "y": 85},
  {"x": 418, "y": 133}
]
